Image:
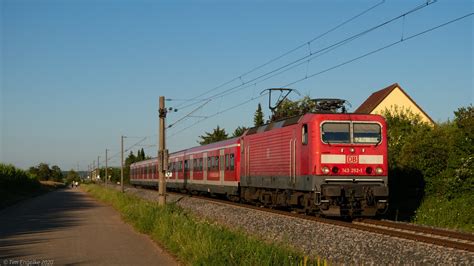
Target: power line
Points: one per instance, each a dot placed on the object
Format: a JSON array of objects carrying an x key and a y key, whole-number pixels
[
  {"x": 218, "y": 113},
  {"x": 320, "y": 51},
  {"x": 311, "y": 56},
  {"x": 288, "y": 52},
  {"x": 334, "y": 67},
  {"x": 380, "y": 49}
]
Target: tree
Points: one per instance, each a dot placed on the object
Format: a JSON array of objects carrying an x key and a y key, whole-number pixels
[
  {"x": 141, "y": 155},
  {"x": 239, "y": 131},
  {"x": 289, "y": 108},
  {"x": 42, "y": 171},
  {"x": 258, "y": 117},
  {"x": 56, "y": 174},
  {"x": 401, "y": 124},
  {"x": 217, "y": 134},
  {"x": 72, "y": 176}
]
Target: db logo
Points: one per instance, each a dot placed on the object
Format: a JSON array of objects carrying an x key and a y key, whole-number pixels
[{"x": 352, "y": 158}]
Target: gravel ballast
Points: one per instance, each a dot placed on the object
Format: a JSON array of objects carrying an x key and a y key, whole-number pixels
[{"x": 335, "y": 243}]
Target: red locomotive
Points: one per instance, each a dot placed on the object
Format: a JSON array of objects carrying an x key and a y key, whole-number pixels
[{"x": 330, "y": 163}]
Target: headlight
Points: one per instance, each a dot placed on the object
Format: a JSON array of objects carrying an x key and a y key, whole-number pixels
[
  {"x": 378, "y": 170},
  {"x": 325, "y": 170}
]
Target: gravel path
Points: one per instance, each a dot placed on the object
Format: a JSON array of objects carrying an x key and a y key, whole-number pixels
[{"x": 338, "y": 244}]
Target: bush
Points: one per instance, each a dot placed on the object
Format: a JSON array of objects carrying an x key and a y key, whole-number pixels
[
  {"x": 15, "y": 184},
  {"x": 431, "y": 162},
  {"x": 455, "y": 213}
]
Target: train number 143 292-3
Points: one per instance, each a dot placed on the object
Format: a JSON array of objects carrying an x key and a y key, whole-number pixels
[{"x": 348, "y": 170}]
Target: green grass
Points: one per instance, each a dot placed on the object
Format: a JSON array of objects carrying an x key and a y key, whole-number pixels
[
  {"x": 193, "y": 240},
  {"x": 456, "y": 213}
]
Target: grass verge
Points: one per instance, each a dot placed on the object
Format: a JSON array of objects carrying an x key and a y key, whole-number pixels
[
  {"x": 195, "y": 241},
  {"x": 440, "y": 212}
]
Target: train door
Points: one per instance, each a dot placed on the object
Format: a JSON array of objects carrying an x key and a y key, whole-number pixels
[
  {"x": 292, "y": 160},
  {"x": 221, "y": 166},
  {"x": 304, "y": 156},
  {"x": 204, "y": 168},
  {"x": 246, "y": 163},
  {"x": 186, "y": 172},
  {"x": 191, "y": 167}
]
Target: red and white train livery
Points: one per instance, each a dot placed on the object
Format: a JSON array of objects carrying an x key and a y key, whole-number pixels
[{"x": 334, "y": 164}]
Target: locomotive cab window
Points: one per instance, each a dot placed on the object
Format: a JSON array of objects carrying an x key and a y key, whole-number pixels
[
  {"x": 304, "y": 134},
  {"x": 336, "y": 132},
  {"x": 367, "y": 133}
]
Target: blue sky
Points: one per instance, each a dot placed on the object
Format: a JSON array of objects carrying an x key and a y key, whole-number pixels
[{"x": 78, "y": 74}]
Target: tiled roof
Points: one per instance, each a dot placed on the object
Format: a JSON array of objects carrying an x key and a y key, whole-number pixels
[{"x": 377, "y": 97}]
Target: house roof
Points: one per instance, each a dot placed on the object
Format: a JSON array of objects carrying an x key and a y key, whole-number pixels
[{"x": 377, "y": 97}]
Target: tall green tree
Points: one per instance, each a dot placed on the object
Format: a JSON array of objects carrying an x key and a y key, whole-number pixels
[
  {"x": 56, "y": 173},
  {"x": 239, "y": 131},
  {"x": 42, "y": 171},
  {"x": 72, "y": 176},
  {"x": 258, "y": 117},
  {"x": 131, "y": 158},
  {"x": 217, "y": 134},
  {"x": 141, "y": 155}
]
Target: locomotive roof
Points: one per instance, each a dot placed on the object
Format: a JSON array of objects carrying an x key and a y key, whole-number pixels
[
  {"x": 291, "y": 121},
  {"x": 275, "y": 124}
]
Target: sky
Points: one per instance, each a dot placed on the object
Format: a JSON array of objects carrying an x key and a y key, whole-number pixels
[{"x": 76, "y": 75}]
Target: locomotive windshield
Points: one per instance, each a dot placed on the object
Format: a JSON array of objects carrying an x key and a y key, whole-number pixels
[
  {"x": 366, "y": 133},
  {"x": 334, "y": 132},
  {"x": 342, "y": 132}
]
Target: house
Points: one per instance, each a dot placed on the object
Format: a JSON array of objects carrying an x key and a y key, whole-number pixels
[{"x": 391, "y": 98}]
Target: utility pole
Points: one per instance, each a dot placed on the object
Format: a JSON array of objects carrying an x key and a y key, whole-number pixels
[
  {"x": 106, "y": 173},
  {"x": 121, "y": 168},
  {"x": 98, "y": 168},
  {"x": 93, "y": 171},
  {"x": 162, "y": 153}
]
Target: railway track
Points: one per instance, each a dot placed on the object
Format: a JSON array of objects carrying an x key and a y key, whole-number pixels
[{"x": 439, "y": 237}]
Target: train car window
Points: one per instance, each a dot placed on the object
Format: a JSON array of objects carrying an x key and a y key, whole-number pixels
[
  {"x": 304, "y": 134},
  {"x": 209, "y": 159},
  {"x": 367, "y": 133},
  {"x": 232, "y": 162},
  {"x": 186, "y": 165},
  {"x": 336, "y": 132},
  {"x": 200, "y": 164},
  {"x": 227, "y": 163}
]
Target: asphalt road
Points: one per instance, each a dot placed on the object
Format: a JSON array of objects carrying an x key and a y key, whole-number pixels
[{"x": 67, "y": 227}]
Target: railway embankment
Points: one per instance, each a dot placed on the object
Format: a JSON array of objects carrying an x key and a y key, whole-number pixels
[{"x": 336, "y": 244}]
